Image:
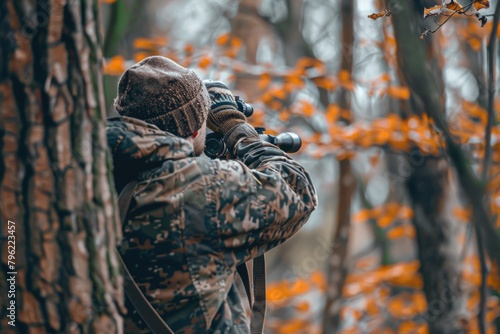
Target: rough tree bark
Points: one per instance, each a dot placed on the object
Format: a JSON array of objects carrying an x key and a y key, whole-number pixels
[
  {"x": 55, "y": 172},
  {"x": 428, "y": 181}
]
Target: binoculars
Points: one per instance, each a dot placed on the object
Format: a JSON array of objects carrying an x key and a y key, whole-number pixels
[{"x": 288, "y": 142}]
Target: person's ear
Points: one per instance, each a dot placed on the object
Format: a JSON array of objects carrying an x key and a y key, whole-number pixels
[{"x": 195, "y": 134}]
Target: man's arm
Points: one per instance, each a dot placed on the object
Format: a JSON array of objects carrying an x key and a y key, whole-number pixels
[
  {"x": 262, "y": 196},
  {"x": 263, "y": 199}
]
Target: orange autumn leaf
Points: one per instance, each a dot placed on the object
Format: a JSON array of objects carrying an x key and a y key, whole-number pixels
[
  {"x": 462, "y": 214},
  {"x": 277, "y": 292},
  {"x": 344, "y": 75},
  {"x": 346, "y": 155},
  {"x": 480, "y": 4},
  {"x": 492, "y": 302},
  {"x": 305, "y": 62},
  {"x": 401, "y": 231},
  {"x": 265, "y": 80},
  {"x": 146, "y": 43},
  {"x": 160, "y": 40},
  {"x": 278, "y": 93},
  {"x": 412, "y": 327},
  {"x": 491, "y": 315},
  {"x": 453, "y": 5},
  {"x": 372, "y": 308},
  {"x": 385, "y": 221},
  {"x": 362, "y": 216},
  {"x": 475, "y": 110},
  {"x": 369, "y": 281},
  {"x": 231, "y": 53},
  {"x": 277, "y": 105},
  {"x": 448, "y": 8},
  {"x": 405, "y": 213},
  {"x": 319, "y": 280},
  {"x": 115, "y": 66},
  {"x": 345, "y": 312},
  {"x": 300, "y": 286},
  {"x": 399, "y": 141},
  {"x": 392, "y": 208},
  {"x": 346, "y": 114},
  {"x": 140, "y": 56},
  {"x": 475, "y": 44},
  {"x": 188, "y": 48},
  {"x": 386, "y": 77},
  {"x": 473, "y": 301},
  {"x": 294, "y": 80},
  {"x": 381, "y": 137},
  {"x": 367, "y": 262},
  {"x": 303, "y": 307},
  {"x": 307, "y": 108},
  {"x": 407, "y": 281},
  {"x": 324, "y": 82},
  {"x": 222, "y": 39},
  {"x": 399, "y": 92},
  {"x": 403, "y": 306},
  {"x": 432, "y": 11},
  {"x": 374, "y": 159},
  {"x": 205, "y": 62},
  {"x": 317, "y": 154},
  {"x": 332, "y": 113},
  {"x": 236, "y": 42},
  {"x": 293, "y": 326},
  {"x": 378, "y": 15}
]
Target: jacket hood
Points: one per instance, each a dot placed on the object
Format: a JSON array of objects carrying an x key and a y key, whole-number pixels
[{"x": 138, "y": 146}]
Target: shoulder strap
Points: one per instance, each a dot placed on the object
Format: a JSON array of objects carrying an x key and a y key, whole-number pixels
[
  {"x": 259, "y": 295},
  {"x": 258, "y": 304},
  {"x": 152, "y": 319}
]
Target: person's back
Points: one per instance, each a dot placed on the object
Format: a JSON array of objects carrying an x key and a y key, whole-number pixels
[{"x": 193, "y": 220}]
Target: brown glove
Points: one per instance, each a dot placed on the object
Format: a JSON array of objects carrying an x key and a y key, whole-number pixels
[{"x": 224, "y": 116}]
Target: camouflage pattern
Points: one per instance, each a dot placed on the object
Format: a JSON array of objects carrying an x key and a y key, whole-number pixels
[{"x": 193, "y": 220}]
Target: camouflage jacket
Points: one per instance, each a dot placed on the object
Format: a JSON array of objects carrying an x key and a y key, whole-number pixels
[{"x": 193, "y": 220}]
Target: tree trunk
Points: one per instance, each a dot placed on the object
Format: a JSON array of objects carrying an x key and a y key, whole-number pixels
[
  {"x": 56, "y": 193},
  {"x": 337, "y": 270},
  {"x": 428, "y": 182}
]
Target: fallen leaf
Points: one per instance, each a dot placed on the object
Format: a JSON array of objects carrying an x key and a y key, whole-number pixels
[{"x": 376, "y": 16}]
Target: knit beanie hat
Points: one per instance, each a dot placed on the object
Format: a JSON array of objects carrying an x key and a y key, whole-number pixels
[{"x": 161, "y": 92}]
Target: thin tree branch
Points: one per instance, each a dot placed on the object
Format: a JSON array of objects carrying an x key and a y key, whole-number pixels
[
  {"x": 337, "y": 268},
  {"x": 462, "y": 10},
  {"x": 491, "y": 90},
  {"x": 481, "y": 317}
]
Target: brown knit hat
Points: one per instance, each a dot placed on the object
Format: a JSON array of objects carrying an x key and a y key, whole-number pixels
[{"x": 161, "y": 92}]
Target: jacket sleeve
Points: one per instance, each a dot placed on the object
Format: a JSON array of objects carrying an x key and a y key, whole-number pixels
[{"x": 262, "y": 198}]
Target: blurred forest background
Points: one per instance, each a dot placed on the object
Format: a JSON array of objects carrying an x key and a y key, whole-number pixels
[
  {"x": 391, "y": 247},
  {"x": 399, "y": 116}
]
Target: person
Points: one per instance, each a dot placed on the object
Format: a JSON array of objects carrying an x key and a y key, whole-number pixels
[{"x": 193, "y": 220}]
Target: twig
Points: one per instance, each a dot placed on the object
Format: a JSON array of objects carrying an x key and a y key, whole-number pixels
[
  {"x": 491, "y": 90},
  {"x": 462, "y": 10}
]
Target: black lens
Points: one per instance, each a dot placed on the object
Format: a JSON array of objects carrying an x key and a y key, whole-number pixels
[
  {"x": 214, "y": 146},
  {"x": 289, "y": 142},
  {"x": 245, "y": 108},
  {"x": 248, "y": 109}
]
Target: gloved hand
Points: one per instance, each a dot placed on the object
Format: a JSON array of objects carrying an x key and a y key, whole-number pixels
[{"x": 223, "y": 114}]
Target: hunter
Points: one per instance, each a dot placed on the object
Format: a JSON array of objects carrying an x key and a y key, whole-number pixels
[{"x": 193, "y": 220}]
